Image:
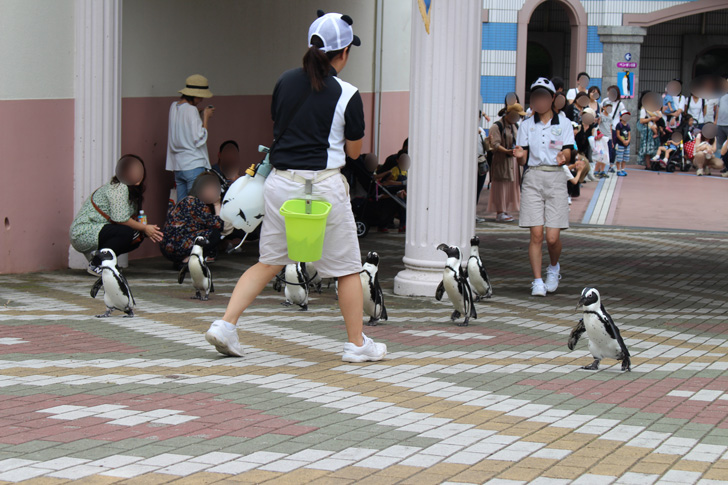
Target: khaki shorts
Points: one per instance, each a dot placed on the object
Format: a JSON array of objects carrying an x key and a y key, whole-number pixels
[
  {"x": 341, "y": 255},
  {"x": 544, "y": 200}
]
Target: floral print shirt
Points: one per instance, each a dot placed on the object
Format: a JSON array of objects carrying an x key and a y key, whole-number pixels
[
  {"x": 113, "y": 199},
  {"x": 189, "y": 219}
]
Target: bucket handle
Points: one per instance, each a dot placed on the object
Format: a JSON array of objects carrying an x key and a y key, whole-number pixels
[{"x": 309, "y": 194}]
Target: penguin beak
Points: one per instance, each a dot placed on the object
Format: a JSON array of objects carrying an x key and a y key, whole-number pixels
[
  {"x": 582, "y": 300},
  {"x": 443, "y": 247}
]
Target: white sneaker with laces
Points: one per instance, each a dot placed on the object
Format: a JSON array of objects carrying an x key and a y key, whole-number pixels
[
  {"x": 538, "y": 289},
  {"x": 478, "y": 220},
  {"x": 699, "y": 172},
  {"x": 224, "y": 337},
  {"x": 369, "y": 351},
  {"x": 552, "y": 280},
  {"x": 93, "y": 270}
]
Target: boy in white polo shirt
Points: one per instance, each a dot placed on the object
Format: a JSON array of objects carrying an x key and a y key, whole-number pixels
[{"x": 544, "y": 143}]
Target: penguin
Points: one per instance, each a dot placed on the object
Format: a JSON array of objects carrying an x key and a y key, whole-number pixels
[
  {"x": 278, "y": 281},
  {"x": 201, "y": 275},
  {"x": 605, "y": 340},
  {"x": 117, "y": 294},
  {"x": 317, "y": 282},
  {"x": 476, "y": 272},
  {"x": 455, "y": 282},
  {"x": 373, "y": 298},
  {"x": 296, "y": 290}
]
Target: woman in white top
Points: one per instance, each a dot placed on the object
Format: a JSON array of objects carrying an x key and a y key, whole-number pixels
[
  {"x": 696, "y": 107},
  {"x": 187, "y": 153}
]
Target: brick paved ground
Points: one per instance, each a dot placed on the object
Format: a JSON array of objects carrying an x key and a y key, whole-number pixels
[{"x": 146, "y": 400}]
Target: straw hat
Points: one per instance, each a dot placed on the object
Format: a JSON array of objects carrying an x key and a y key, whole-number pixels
[
  {"x": 516, "y": 108},
  {"x": 197, "y": 86}
]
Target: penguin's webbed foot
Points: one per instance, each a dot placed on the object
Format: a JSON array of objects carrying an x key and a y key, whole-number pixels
[
  {"x": 627, "y": 365},
  {"x": 304, "y": 307},
  {"x": 129, "y": 314},
  {"x": 372, "y": 322},
  {"x": 455, "y": 315},
  {"x": 286, "y": 303},
  {"x": 204, "y": 298},
  {"x": 593, "y": 366},
  {"x": 104, "y": 315},
  {"x": 464, "y": 323},
  {"x": 319, "y": 288},
  {"x": 196, "y": 297}
]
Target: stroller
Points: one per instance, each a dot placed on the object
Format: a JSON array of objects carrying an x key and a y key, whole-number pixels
[
  {"x": 678, "y": 159},
  {"x": 366, "y": 206}
]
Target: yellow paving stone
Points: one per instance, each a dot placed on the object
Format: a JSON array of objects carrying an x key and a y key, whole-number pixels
[
  {"x": 379, "y": 479},
  {"x": 518, "y": 472},
  {"x": 258, "y": 476},
  {"x": 692, "y": 466},
  {"x": 150, "y": 479},
  {"x": 448, "y": 469},
  {"x": 201, "y": 477},
  {"x": 331, "y": 481},
  {"x": 650, "y": 467},
  {"x": 716, "y": 474},
  {"x": 301, "y": 475},
  {"x": 425, "y": 478},
  {"x": 401, "y": 471},
  {"x": 473, "y": 476},
  {"x": 97, "y": 480},
  {"x": 352, "y": 472},
  {"x": 660, "y": 458},
  {"x": 496, "y": 466},
  {"x": 45, "y": 481},
  {"x": 610, "y": 469},
  {"x": 562, "y": 471},
  {"x": 549, "y": 434}
]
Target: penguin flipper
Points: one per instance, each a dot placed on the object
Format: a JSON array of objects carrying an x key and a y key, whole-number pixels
[
  {"x": 440, "y": 291},
  {"x": 576, "y": 334},
  {"x": 124, "y": 285},
  {"x": 182, "y": 274},
  {"x": 614, "y": 332},
  {"x": 212, "y": 285},
  {"x": 96, "y": 287},
  {"x": 383, "y": 316}
]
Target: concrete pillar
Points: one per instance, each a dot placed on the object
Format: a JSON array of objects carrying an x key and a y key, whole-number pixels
[
  {"x": 617, "y": 43},
  {"x": 97, "y": 100},
  {"x": 444, "y": 100}
]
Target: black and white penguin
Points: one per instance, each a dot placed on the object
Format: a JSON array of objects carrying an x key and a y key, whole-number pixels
[
  {"x": 296, "y": 290},
  {"x": 279, "y": 279},
  {"x": 455, "y": 283},
  {"x": 117, "y": 295},
  {"x": 605, "y": 340},
  {"x": 201, "y": 275},
  {"x": 373, "y": 297},
  {"x": 476, "y": 272}
]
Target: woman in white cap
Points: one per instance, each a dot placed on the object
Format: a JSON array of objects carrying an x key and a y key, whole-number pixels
[
  {"x": 187, "y": 153},
  {"x": 318, "y": 121}
]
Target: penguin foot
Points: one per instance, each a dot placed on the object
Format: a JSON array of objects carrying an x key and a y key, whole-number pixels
[
  {"x": 196, "y": 297},
  {"x": 129, "y": 314},
  {"x": 286, "y": 303},
  {"x": 372, "y": 322},
  {"x": 304, "y": 307},
  {"x": 455, "y": 315},
  {"x": 104, "y": 315},
  {"x": 204, "y": 298},
  {"x": 627, "y": 365},
  {"x": 593, "y": 366},
  {"x": 462, "y": 324}
]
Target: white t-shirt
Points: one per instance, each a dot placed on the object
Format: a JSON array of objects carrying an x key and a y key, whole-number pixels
[
  {"x": 186, "y": 139},
  {"x": 545, "y": 141},
  {"x": 695, "y": 109},
  {"x": 678, "y": 102},
  {"x": 617, "y": 106},
  {"x": 571, "y": 94},
  {"x": 710, "y": 105}
]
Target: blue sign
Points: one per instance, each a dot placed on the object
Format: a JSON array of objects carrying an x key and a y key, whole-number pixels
[{"x": 628, "y": 57}]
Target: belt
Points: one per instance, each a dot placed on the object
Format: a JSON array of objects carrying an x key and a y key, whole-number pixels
[
  {"x": 547, "y": 168},
  {"x": 320, "y": 175}
]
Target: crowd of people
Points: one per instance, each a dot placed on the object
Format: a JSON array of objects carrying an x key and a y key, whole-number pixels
[{"x": 673, "y": 131}]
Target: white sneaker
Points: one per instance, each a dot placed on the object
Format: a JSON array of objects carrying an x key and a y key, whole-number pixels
[
  {"x": 538, "y": 289},
  {"x": 569, "y": 200},
  {"x": 478, "y": 220},
  {"x": 369, "y": 351},
  {"x": 224, "y": 337},
  {"x": 93, "y": 270},
  {"x": 699, "y": 172},
  {"x": 552, "y": 280},
  {"x": 503, "y": 217}
]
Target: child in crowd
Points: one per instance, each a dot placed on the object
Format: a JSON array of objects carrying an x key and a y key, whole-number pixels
[
  {"x": 668, "y": 103},
  {"x": 396, "y": 179},
  {"x": 665, "y": 151},
  {"x": 198, "y": 214},
  {"x": 576, "y": 172},
  {"x": 599, "y": 153},
  {"x": 606, "y": 121},
  {"x": 624, "y": 138}
]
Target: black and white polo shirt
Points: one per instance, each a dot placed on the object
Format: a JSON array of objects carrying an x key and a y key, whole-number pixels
[{"x": 314, "y": 139}]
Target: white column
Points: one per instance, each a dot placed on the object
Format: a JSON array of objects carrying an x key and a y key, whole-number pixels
[
  {"x": 444, "y": 102},
  {"x": 97, "y": 100}
]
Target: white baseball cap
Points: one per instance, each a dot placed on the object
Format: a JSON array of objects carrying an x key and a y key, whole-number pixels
[
  {"x": 624, "y": 112},
  {"x": 334, "y": 30},
  {"x": 543, "y": 83}
]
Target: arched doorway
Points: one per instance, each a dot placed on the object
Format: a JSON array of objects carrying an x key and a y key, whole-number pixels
[
  {"x": 549, "y": 42},
  {"x": 712, "y": 62},
  {"x": 560, "y": 28}
]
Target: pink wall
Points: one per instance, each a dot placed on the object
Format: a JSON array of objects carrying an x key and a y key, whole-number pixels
[
  {"x": 245, "y": 119},
  {"x": 36, "y": 192}
]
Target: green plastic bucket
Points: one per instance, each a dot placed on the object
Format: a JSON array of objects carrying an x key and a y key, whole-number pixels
[{"x": 305, "y": 232}]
